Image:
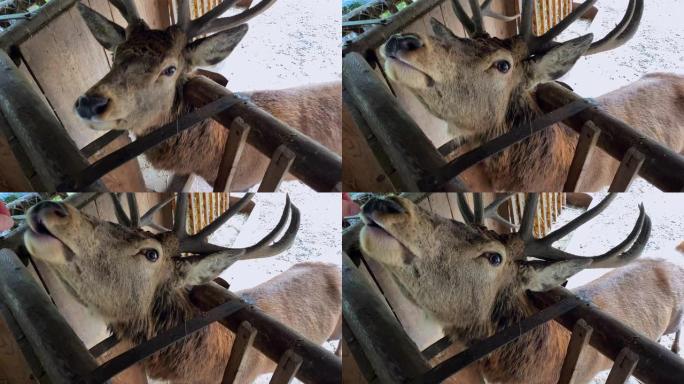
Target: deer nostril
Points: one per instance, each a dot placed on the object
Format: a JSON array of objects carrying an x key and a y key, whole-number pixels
[
  {"x": 383, "y": 206},
  {"x": 409, "y": 43},
  {"x": 50, "y": 207},
  {"x": 89, "y": 106}
]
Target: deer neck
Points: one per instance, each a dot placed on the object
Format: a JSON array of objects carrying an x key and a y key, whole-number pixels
[
  {"x": 189, "y": 358},
  {"x": 535, "y": 357},
  {"x": 539, "y": 163}
]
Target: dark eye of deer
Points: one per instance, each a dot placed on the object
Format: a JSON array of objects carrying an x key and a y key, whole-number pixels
[
  {"x": 493, "y": 258},
  {"x": 151, "y": 254},
  {"x": 502, "y": 66},
  {"x": 169, "y": 71}
]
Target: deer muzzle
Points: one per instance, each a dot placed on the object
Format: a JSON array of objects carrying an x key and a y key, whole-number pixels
[{"x": 39, "y": 238}]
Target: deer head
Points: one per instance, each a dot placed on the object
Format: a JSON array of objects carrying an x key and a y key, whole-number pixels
[
  {"x": 120, "y": 270},
  {"x": 466, "y": 276},
  {"x": 144, "y": 86},
  {"x": 480, "y": 82}
]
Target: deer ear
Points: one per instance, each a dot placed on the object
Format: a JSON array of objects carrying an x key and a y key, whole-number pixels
[
  {"x": 441, "y": 31},
  {"x": 213, "y": 49},
  {"x": 559, "y": 60},
  {"x": 195, "y": 270},
  {"x": 106, "y": 32},
  {"x": 547, "y": 276}
]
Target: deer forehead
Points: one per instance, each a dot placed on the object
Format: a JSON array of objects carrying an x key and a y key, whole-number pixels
[{"x": 150, "y": 46}]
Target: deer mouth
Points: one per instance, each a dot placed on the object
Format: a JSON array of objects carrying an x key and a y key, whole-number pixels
[
  {"x": 41, "y": 242},
  {"x": 375, "y": 237}
]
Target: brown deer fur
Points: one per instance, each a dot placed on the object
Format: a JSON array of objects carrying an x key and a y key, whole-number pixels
[
  {"x": 142, "y": 96},
  {"x": 458, "y": 81},
  {"x": 441, "y": 265},
  {"x": 103, "y": 266}
]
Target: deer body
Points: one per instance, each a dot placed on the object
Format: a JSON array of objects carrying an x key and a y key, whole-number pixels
[
  {"x": 314, "y": 110},
  {"x": 474, "y": 282},
  {"x": 484, "y": 87}
]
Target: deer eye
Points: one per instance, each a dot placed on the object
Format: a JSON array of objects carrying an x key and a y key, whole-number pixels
[
  {"x": 169, "y": 71},
  {"x": 151, "y": 254},
  {"x": 502, "y": 66},
  {"x": 493, "y": 258}
]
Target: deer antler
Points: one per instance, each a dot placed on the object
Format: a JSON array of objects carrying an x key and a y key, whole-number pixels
[
  {"x": 128, "y": 10},
  {"x": 481, "y": 212},
  {"x": 134, "y": 220},
  {"x": 211, "y": 22},
  {"x": 474, "y": 26},
  {"x": 615, "y": 257},
  {"x": 624, "y": 31}
]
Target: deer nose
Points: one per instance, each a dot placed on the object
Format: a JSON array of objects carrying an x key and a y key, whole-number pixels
[
  {"x": 382, "y": 206},
  {"x": 90, "y": 106},
  {"x": 405, "y": 42},
  {"x": 43, "y": 210}
]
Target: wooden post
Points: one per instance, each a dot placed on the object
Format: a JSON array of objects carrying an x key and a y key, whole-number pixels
[
  {"x": 287, "y": 368},
  {"x": 237, "y": 138},
  {"x": 628, "y": 170},
  {"x": 656, "y": 364},
  {"x": 54, "y": 156},
  {"x": 585, "y": 147},
  {"x": 623, "y": 367},
  {"x": 662, "y": 167},
  {"x": 385, "y": 346},
  {"x": 319, "y": 366},
  {"x": 60, "y": 352},
  {"x": 275, "y": 173},
  {"x": 581, "y": 333},
  {"x": 409, "y": 150},
  {"x": 244, "y": 339},
  {"x": 315, "y": 165}
]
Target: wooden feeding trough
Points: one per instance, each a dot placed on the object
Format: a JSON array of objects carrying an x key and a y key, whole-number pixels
[
  {"x": 45, "y": 146},
  {"x": 387, "y": 339},
  {"x": 390, "y": 137},
  {"x": 51, "y": 330}
]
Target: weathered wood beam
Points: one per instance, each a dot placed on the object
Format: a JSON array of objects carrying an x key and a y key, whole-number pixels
[
  {"x": 273, "y": 338},
  {"x": 374, "y": 37},
  {"x": 315, "y": 165},
  {"x": 277, "y": 169},
  {"x": 581, "y": 333},
  {"x": 244, "y": 339},
  {"x": 237, "y": 138},
  {"x": 54, "y": 156},
  {"x": 610, "y": 336},
  {"x": 408, "y": 148},
  {"x": 627, "y": 171},
  {"x": 395, "y": 358},
  {"x": 662, "y": 167},
  {"x": 59, "y": 350},
  {"x": 585, "y": 147},
  {"x": 22, "y": 31}
]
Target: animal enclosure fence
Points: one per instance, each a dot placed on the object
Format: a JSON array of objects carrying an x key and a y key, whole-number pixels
[
  {"x": 390, "y": 138},
  {"x": 45, "y": 156},
  {"x": 55, "y": 351},
  {"x": 383, "y": 345}
]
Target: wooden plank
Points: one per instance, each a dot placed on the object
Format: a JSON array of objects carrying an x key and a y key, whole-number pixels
[
  {"x": 241, "y": 346},
  {"x": 13, "y": 366},
  {"x": 12, "y": 177},
  {"x": 627, "y": 171},
  {"x": 287, "y": 368},
  {"x": 280, "y": 164},
  {"x": 623, "y": 367},
  {"x": 585, "y": 147},
  {"x": 237, "y": 138},
  {"x": 581, "y": 333},
  {"x": 21, "y": 31}
]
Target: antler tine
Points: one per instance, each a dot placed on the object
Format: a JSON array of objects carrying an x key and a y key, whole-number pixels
[
  {"x": 526, "y": 231},
  {"x": 526, "y": 20},
  {"x": 213, "y": 24},
  {"x": 463, "y": 17},
  {"x": 146, "y": 219},
  {"x": 623, "y": 32},
  {"x": 464, "y": 208},
  {"x": 262, "y": 249},
  {"x": 180, "y": 216},
  {"x": 614, "y": 258},
  {"x": 477, "y": 17},
  {"x": 478, "y": 210},
  {"x": 121, "y": 216},
  {"x": 543, "y": 42},
  {"x": 128, "y": 10},
  {"x": 578, "y": 221},
  {"x": 492, "y": 210},
  {"x": 133, "y": 209},
  {"x": 183, "y": 11},
  {"x": 204, "y": 234},
  {"x": 487, "y": 11}
]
